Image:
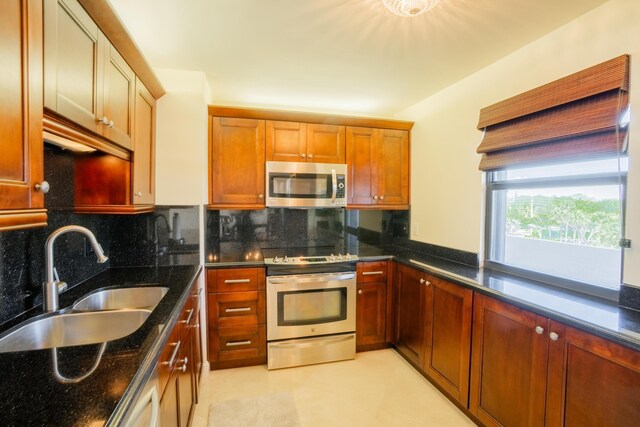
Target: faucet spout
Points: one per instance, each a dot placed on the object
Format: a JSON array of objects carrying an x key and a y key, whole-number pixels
[{"x": 50, "y": 287}]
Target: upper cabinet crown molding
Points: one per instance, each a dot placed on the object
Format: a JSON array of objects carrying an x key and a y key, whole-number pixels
[
  {"x": 112, "y": 26},
  {"x": 295, "y": 116}
]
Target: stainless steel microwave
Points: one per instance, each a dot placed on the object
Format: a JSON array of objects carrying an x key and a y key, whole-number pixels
[{"x": 306, "y": 185}]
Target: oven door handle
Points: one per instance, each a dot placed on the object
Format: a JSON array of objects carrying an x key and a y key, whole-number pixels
[
  {"x": 310, "y": 278},
  {"x": 334, "y": 185}
]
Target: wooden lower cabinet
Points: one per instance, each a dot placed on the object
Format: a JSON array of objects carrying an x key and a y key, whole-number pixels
[
  {"x": 448, "y": 312},
  {"x": 236, "y": 317},
  {"x": 409, "y": 322},
  {"x": 371, "y": 305},
  {"x": 528, "y": 370}
]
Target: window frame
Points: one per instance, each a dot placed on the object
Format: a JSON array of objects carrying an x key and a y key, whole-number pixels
[{"x": 493, "y": 183}]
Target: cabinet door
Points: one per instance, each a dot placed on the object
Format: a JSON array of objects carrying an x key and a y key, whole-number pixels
[
  {"x": 361, "y": 183},
  {"x": 325, "y": 143},
  {"x": 73, "y": 71},
  {"x": 144, "y": 146},
  {"x": 21, "y": 165},
  {"x": 371, "y": 310},
  {"x": 286, "y": 141},
  {"x": 409, "y": 322},
  {"x": 168, "y": 414},
  {"x": 119, "y": 97},
  {"x": 448, "y": 336},
  {"x": 186, "y": 401},
  {"x": 392, "y": 166},
  {"x": 237, "y": 163},
  {"x": 592, "y": 381},
  {"x": 509, "y": 365}
]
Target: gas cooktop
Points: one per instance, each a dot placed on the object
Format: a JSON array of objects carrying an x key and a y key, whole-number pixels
[{"x": 307, "y": 256}]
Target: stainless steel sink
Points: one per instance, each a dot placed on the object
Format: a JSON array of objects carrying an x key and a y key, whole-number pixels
[
  {"x": 146, "y": 297},
  {"x": 71, "y": 329}
]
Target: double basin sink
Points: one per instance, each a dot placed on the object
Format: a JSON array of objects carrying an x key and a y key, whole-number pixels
[{"x": 100, "y": 316}]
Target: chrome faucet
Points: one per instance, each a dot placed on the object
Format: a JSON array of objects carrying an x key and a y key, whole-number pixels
[{"x": 50, "y": 287}]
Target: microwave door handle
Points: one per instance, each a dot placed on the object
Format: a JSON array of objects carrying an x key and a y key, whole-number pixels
[{"x": 334, "y": 185}]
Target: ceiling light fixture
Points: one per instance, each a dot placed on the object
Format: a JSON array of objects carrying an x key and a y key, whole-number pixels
[{"x": 409, "y": 8}]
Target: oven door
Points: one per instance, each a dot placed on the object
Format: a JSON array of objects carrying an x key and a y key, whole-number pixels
[
  {"x": 310, "y": 305},
  {"x": 291, "y": 184}
]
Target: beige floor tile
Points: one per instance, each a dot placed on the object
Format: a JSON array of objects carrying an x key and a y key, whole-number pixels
[{"x": 377, "y": 389}]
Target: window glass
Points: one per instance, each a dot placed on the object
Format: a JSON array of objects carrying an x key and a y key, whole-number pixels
[{"x": 568, "y": 228}]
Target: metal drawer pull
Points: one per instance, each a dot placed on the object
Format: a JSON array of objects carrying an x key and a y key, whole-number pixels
[
  {"x": 359, "y": 291},
  {"x": 173, "y": 355},
  {"x": 188, "y": 319},
  {"x": 236, "y": 310},
  {"x": 183, "y": 368},
  {"x": 372, "y": 273},
  {"x": 554, "y": 336},
  {"x": 237, "y": 343},
  {"x": 237, "y": 281},
  {"x": 539, "y": 330}
]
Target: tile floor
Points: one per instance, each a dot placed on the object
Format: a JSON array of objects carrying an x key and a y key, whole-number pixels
[{"x": 378, "y": 388}]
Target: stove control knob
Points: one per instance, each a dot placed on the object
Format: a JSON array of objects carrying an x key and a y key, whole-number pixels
[
  {"x": 332, "y": 257},
  {"x": 276, "y": 260},
  {"x": 339, "y": 257},
  {"x": 348, "y": 256},
  {"x": 286, "y": 259}
]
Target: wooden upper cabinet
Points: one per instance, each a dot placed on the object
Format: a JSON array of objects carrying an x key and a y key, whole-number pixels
[
  {"x": 286, "y": 141},
  {"x": 21, "y": 158},
  {"x": 304, "y": 142},
  {"x": 144, "y": 146},
  {"x": 378, "y": 162},
  {"x": 86, "y": 80},
  {"x": 392, "y": 164},
  {"x": 509, "y": 365},
  {"x": 325, "y": 143},
  {"x": 119, "y": 98},
  {"x": 236, "y": 163}
]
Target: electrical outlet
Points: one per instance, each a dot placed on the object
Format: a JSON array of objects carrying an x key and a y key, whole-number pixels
[{"x": 415, "y": 229}]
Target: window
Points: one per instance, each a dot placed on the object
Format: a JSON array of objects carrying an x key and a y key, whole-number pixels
[{"x": 561, "y": 223}]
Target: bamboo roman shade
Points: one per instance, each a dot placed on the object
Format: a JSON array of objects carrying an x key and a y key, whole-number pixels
[{"x": 574, "y": 117}]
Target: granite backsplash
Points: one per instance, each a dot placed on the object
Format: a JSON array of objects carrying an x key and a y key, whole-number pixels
[{"x": 170, "y": 235}]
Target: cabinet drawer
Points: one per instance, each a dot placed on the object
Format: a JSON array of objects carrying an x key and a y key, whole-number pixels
[
  {"x": 374, "y": 271},
  {"x": 242, "y": 342},
  {"x": 168, "y": 358},
  {"x": 235, "y": 279},
  {"x": 236, "y": 309}
]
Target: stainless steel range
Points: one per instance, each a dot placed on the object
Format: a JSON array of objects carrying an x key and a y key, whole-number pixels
[{"x": 311, "y": 307}]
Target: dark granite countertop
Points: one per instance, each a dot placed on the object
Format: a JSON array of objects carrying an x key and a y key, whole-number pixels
[
  {"x": 30, "y": 393},
  {"x": 600, "y": 317}
]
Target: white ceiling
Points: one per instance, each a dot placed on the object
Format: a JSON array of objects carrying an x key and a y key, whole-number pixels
[{"x": 349, "y": 56}]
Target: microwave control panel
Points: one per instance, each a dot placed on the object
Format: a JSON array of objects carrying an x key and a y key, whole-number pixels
[{"x": 340, "y": 194}]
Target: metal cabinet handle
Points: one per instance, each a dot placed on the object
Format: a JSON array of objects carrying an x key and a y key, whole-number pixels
[
  {"x": 188, "y": 319},
  {"x": 237, "y": 343},
  {"x": 422, "y": 281},
  {"x": 310, "y": 156},
  {"x": 103, "y": 121},
  {"x": 237, "y": 281},
  {"x": 381, "y": 197},
  {"x": 303, "y": 155},
  {"x": 111, "y": 124},
  {"x": 539, "y": 330},
  {"x": 554, "y": 336},
  {"x": 375, "y": 197},
  {"x": 42, "y": 186},
  {"x": 372, "y": 273},
  {"x": 237, "y": 310},
  {"x": 359, "y": 291},
  {"x": 173, "y": 355},
  {"x": 183, "y": 368},
  {"x": 138, "y": 194},
  {"x": 260, "y": 196}
]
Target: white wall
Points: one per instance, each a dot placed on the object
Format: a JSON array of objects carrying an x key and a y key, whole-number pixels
[
  {"x": 447, "y": 193},
  {"x": 181, "y": 138}
]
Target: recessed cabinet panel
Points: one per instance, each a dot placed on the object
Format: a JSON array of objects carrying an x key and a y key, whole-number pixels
[
  {"x": 21, "y": 156},
  {"x": 361, "y": 146},
  {"x": 325, "y": 143},
  {"x": 144, "y": 146},
  {"x": 72, "y": 63},
  {"x": 119, "y": 95},
  {"x": 410, "y": 314},
  {"x": 237, "y": 157},
  {"x": 286, "y": 141},
  {"x": 393, "y": 167}
]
